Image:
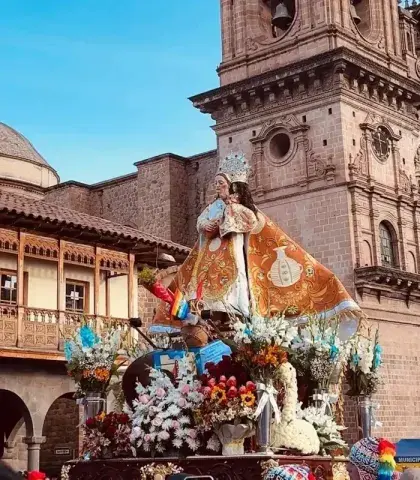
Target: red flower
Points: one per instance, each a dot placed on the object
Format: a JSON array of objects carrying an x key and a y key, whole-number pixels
[
  {"x": 90, "y": 422},
  {"x": 243, "y": 390},
  {"x": 222, "y": 385},
  {"x": 251, "y": 386},
  {"x": 222, "y": 379},
  {"x": 232, "y": 392},
  {"x": 232, "y": 382},
  {"x": 34, "y": 475},
  {"x": 124, "y": 418},
  {"x": 211, "y": 382},
  {"x": 110, "y": 431}
]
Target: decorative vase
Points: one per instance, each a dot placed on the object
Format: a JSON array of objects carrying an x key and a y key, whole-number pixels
[
  {"x": 264, "y": 423},
  {"x": 232, "y": 438},
  {"x": 233, "y": 448},
  {"x": 94, "y": 403},
  {"x": 285, "y": 271},
  {"x": 365, "y": 416}
]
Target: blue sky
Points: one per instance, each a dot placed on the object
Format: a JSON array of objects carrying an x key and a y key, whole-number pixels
[{"x": 97, "y": 85}]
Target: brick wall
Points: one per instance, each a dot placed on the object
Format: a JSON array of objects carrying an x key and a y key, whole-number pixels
[
  {"x": 154, "y": 196},
  {"x": 116, "y": 201},
  {"x": 70, "y": 196},
  {"x": 60, "y": 430},
  {"x": 201, "y": 171}
]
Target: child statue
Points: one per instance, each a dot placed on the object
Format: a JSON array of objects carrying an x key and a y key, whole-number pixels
[{"x": 243, "y": 263}]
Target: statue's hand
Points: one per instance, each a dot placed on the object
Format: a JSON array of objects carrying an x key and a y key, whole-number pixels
[{"x": 211, "y": 229}]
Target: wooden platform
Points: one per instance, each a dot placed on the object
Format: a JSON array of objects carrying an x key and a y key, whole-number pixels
[{"x": 245, "y": 467}]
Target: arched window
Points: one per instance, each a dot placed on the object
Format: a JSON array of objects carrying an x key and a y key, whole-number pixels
[{"x": 387, "y": 237}]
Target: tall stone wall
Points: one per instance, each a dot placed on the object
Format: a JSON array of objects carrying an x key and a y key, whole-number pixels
[
  {"x": 61, "y": 433},
  {"x": 116, "y": 201},
  {"x": 73, "y": 196}
]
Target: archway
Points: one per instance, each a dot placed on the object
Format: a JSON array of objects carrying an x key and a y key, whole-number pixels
[
  {"x": 15, "y": 424},
  {"x": 61, "y": 434}
]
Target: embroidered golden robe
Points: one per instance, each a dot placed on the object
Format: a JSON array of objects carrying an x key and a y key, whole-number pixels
[{"x": 280, "y": 275}]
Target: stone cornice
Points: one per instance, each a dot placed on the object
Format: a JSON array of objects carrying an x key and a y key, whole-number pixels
[
  {"x": 371, "y": 187},
  {"x": 388, "y": 282},
  {"x": 283, "y": 79}
]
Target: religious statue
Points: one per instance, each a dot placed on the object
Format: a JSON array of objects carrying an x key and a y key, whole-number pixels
[{"x": 243, "y": 263}]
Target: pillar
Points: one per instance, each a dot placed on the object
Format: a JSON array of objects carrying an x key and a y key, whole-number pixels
[
  {"x": 34, "y": 449},
  {"x": 20, "y": 288}
]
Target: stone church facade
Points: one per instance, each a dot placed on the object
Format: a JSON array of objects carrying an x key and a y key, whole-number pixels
[{"x": 325, "y": 106}]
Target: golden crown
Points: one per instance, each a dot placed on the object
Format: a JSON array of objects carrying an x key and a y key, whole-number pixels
[{"x": 234, "y": 167}]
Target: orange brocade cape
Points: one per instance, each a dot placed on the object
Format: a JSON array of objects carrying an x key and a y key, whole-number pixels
[{"x": 282, "y": 276}]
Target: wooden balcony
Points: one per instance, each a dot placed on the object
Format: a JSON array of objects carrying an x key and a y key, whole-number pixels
[{"x": 40, "y": 333}]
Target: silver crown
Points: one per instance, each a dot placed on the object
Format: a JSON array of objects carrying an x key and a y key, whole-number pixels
[{"x": 234, "y": 167}]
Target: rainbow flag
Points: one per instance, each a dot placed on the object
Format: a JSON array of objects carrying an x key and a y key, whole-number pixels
[{"x": 180, "y": 308}]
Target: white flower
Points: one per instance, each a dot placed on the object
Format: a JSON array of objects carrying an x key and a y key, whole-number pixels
[
  {"x": 184, "y": 420},
  {"x": 177, "y": 443},
  {"x": 163, "y": 435},
  {"x": 213, "y": 444}
]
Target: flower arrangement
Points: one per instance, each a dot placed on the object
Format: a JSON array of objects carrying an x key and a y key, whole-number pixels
[
  {"x": 228, "y": 409},
  {"x": 226, "y": 401},
  {"x": 163, "y": 413},
  {"x": 107, "y": 435},
  {"x": 153, "y": 471},
  {"x": 317, "y": 350},
  {"x": 262, "y": 345},
  {"x": 329, "y": 433},
  {"x": 365, "y": 360},
  {"x": 91, "y": 359}
]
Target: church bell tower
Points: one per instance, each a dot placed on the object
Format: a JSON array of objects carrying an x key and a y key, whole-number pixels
[{"x": 322, "y": 96}]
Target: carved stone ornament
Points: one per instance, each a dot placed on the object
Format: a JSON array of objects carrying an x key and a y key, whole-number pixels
[
  {"x": 289, "y": 127},
  {"x": 418, "y": 67},
  {"x": 405, "y": 182}
]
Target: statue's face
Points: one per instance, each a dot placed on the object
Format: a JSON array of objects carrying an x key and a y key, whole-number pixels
[{"x": 222, "y": 187}]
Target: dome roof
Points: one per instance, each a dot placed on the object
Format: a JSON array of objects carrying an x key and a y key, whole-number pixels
[
  {"x": 22, "y": 168},
  {"x": 13, "y": 144}
]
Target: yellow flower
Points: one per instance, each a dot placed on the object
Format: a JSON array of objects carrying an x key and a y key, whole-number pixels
[
  {"x": 218, "y": 395},
  {"x": 248, "y": 399}
]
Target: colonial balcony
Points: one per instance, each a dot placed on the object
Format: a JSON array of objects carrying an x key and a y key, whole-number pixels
[
  {"x": 388, "y": 282},
  {"x": 40, "y": 333}
]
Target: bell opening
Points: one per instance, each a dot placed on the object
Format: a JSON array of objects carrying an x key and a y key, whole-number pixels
[
  {"x": 353, "y": 13},
  {"x": 283, "y": 13}
]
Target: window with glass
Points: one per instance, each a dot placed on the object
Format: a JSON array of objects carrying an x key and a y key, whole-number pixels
[
  {"x": 8, "y": 288},
  {"x": 380, "y": 143},
  {"x": 387, "y": 247},
  {"x": 76, "y": 296}
]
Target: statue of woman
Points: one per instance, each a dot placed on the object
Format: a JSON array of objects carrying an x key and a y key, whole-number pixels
[{"x": 244, "y": 263}]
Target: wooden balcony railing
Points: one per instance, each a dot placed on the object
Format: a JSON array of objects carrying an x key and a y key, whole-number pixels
[{"x": 45, "y": 330}]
